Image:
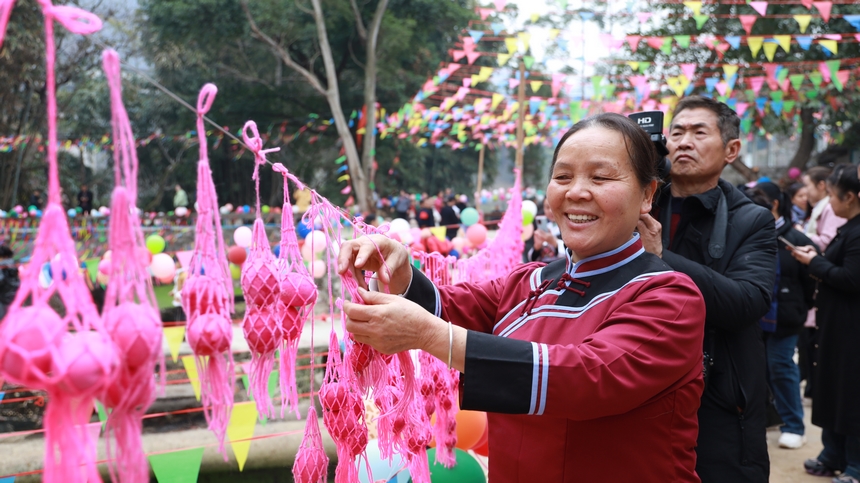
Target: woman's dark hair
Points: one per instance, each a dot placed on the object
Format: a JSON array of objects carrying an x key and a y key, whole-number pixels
[
  {"x": 844, "y": 179},
  {"x": 818, "y": 174},
  {"x": 643, "y": 155},
  {"x": 792, "y": 190},
  {"x": 771, "y": 192}
]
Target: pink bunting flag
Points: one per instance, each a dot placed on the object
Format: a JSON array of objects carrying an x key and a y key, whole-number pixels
[
  {"x": 756, "y": 83},
  {"x": 806, "y": 3},
  {"x": 467, "y": 82},
  {"x": 484, "y": 12},
  {"x": 500, "y": 4},
  {"x": 654, "y": 42},
  {"x": 512, "y": 83},
  {"x": 346, "y": 190},
  {"x": 824, "y": 9},
  {"x": 842, "y": 75},
  {"x": 644, "y": 16},
  {"x": 772, "y": 82},
  {"x": 825, "y": 71},
  {"x": 836, "y": 37},
  {"x": 457, "y": 55},
  {"x": 472, "y": 56},
  {"x": 747, "y": 21},
  {"x": 741, "y": 108},
  {"x": 689, "y": 70},
  {"x": 722, "y": 87},
  {"x": 638, "y": 80},
  {"x": 760, "y": 7},
  {"x": 468, "y": 44},
  {"x": 453, "y": 68},
  {"x": 633, "y": 42}
]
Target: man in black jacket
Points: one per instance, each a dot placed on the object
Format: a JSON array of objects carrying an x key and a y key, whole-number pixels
[{"x": 704, "y": 227}]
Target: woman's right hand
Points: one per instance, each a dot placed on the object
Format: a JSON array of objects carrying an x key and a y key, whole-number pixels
[{"x": 379, "y": 254}]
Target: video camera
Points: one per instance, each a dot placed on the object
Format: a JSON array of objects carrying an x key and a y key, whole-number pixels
[{"x": 652, "y": 123}]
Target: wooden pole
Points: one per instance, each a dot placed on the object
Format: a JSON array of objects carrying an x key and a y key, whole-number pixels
[
  {"x": 521, "y": 99},
  {"x": 480, "y": 177}
]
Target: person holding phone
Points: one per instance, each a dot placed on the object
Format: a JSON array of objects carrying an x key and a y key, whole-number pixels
[
  {"x": 547, "y": 238},
  {"x": 836, "y": 393},
  {"x": 794, "y": 297}
]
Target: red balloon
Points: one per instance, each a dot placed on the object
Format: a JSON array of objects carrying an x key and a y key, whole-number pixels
[{"x": 237, "y": 255}]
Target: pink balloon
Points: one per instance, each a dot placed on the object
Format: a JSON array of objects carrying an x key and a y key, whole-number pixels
[
  {"x": 163, "y": 267},
  {"x": 319, "y": 268},
  {"x": 477, "y": 234},
  {"x": 317, "y": 239},
  {"x": 104, "y": 266},
  {"x": 458, "y": 243},
  {"x": 416, "y": 233},
  {"x": 307, "y": 252}
]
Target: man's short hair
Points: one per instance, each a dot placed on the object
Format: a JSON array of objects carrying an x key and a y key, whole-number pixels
[{"x": 728, "y": 121}]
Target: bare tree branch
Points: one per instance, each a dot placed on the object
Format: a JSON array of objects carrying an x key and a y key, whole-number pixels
[
  {"x": 282, "y": 53},
  {"x": 359, "y": 23},
  {"x": 303, "y": 8},
  {"x": 352, "y": 54}
]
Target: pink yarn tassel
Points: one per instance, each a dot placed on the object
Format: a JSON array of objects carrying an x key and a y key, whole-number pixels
[
  {"x": 287, "y": 376},
  {"x": 311, "y": 465},
  {"x": 70, "y": 448},
  {"x": 216, "y": 382}
]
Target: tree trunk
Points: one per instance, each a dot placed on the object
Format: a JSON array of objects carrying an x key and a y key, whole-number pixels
[
  {"x": 807, "y": 139},
  {"x": 369, "y": 148}
]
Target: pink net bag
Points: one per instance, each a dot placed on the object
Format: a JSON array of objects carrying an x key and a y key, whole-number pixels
[
  {"x": 130, "y": 313},
  {"x": 439, "y": 391},
  {"x": 207, "y": 296},
  {"x": 297, "y": 298},
  {"x": 261, "y": 286},
  {"x": 52, "y": 337}
]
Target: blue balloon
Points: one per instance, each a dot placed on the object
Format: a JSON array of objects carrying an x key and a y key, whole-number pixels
[
  {"x": 382, "y": 469},
  {"x": 302, "y": 229},
  {"x": 276, "y": 250},
  {"x": 246, "y": 209},
  {"x": 72, "y": 213},
  {"x": 454, "y": 253}
]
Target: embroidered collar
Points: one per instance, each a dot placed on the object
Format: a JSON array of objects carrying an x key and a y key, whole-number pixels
[{"x": 606, "y": 262}]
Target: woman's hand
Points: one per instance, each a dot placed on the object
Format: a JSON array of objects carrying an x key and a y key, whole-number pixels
[
  {"x": 541, "y": 237},
  {"x": 805, "y": 254},
  {"x": 379, "y": 254},
  {"x": 392, "y": 324}
]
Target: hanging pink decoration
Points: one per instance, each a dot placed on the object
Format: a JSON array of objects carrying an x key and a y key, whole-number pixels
[
  {"x": 311, "y": 465},
  {"x": 207, "y": 296},
  {"x": 261, "y": 286},
  {"x": 70, "y": 355},
  {"x": 130, "y": 313},
  {"x": 298, "y": 296}
]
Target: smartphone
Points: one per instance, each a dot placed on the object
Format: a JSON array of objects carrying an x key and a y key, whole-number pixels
[
  {"x": 542, "y": 223},
  {"x": 787, "y": 243}
]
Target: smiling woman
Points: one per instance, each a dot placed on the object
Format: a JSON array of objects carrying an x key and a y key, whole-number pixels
[{"x": 590, "y": 367}]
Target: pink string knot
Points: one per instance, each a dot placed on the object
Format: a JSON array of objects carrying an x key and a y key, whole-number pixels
[
  {"x": 255, "y": 144},
  {"x": 280, "y": 168},
  {"x": 206, "y": 98}
]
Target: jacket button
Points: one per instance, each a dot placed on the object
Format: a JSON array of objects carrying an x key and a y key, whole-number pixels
[
  {"x": 816, "y": 346},
  {"x": 814, "y": 363},
  {"x": 745, "y": 462}
]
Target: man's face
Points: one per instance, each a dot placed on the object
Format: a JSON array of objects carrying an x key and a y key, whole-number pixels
[{"x": 696, "y": 147}]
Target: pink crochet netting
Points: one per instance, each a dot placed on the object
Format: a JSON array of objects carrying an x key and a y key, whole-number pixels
[
  {"x": 297, "y": 299},
  {"x": 207, "y": 296},
  {"x": 130, "y": 313},
  {"x": 261, "y": 286},
  {"x": 68, "y": 354}
]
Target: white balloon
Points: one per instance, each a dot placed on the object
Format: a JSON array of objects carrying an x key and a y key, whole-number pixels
[
  {"x": 181, "y": 211},
  {"x": 530, "y": 206},
  {"x": 399, "y": 225},
  {"x": 242, "y": 236}
]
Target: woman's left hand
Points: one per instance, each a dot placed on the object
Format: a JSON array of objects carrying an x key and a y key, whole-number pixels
[
  {"x": 392, "y": 324},
  {"x": 805, "y": 254}
]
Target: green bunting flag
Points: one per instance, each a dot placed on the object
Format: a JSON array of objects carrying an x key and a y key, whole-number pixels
[
  {"x": 683, "y": 41},
  {"x": 796, "y": 80},
  {"x": 700, "y": 20},
  {"x": 528, "y": 61},
  {"x": 178, "y": 466},
  {"x": 273, "y": 389}
]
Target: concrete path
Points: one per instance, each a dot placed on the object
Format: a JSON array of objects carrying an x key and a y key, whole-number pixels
[{"x": 786, "y": 465}]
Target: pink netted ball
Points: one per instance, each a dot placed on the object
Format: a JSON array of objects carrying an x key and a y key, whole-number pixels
[
  {"x": 29, "y": 337},
  {"x": 210, "y": 334},
  {"x": 136, "y": 330},
  {"x": 298, "y": 290},
  {"x": 260, "y": 281},
  {"x": 262, "y": 329},
  {"x": 87, "y": 361},
  {"x": 203, "y": 295},
  {"x": 129, "y": 391},
  {"x": 291, "y": 322}
]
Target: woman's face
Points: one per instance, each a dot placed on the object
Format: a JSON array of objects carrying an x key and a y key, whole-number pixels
[
  {"x": 594, "y": 194},
  {"x": 843, "y": 205},
  {"x": 814, "y": 192},
  {"x": 800, "y": 198}
]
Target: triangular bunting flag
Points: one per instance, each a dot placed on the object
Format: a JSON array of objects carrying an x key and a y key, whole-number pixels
[
  {"x": 528, "y": 60},
  {"x": 643, "y": 66},
  {"x": 643, "y": 16},
  {"x": 832, "y": 68},
  {"x": 696, "y": 7},
  {"x": 747, "y": 21},
  {"x": 816, "y": 78},
  {"x": 683, "y": 41},
  {"x": 755, "y": 43},
  {"x": 476, "y": 35},
  {"x": 633, "y": 65},
  {"x": 700, "y": 20},
  {"x": 666, "y": 48},
  {"x": 824, "y": 9},
  {"x": 796, "y": 80},
  {"x": 7, "y": 479},
  {"x": 473, "y": 56},
  {"x": 174, "y": 336},
  {"x": 500, "y": 4},
  {"x": 788, "y": 106},
  {"x": 733, "y": 40},
  {"x": 841, "y": 79},
  {"x": 830, "y": 45},
  {"x": 439, "y": 232},
  {"x": 497, "y": 99},
  {"x": 240, "y": 430},
  {"x": 93, "y": 268},
  {"x": 803, "y": 22},
  {"x": 193, "y": 377},
  {"x": 177, "y": 466},
  {"x": 784, "y": 41},
  {"x": 807, "y": 3},
  {"x": 497, "y": 28},
  {"x": 633, "y": 41},
  {"x": 525, "y": 38},
  {"x": 755, "y": 83},
  {"x": 511, "y": 44},
  {"x": 654, "y": 42},
  {"x": 730, "y": 70},
  {"x": 689, "y": 70},
  {"x": 535, "y": 85},
  {"x": 854, "y": 20},
  {"x": 770, "y": 50},
  {"x": 760, "y": 7},
  {"x": 804, "y": 41},
  {"x": 503, "y": 59}
]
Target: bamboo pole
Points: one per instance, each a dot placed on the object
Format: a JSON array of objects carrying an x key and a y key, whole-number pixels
[
  {"x": 521, "y": 98},
  {"x": 480, "y": 177}
]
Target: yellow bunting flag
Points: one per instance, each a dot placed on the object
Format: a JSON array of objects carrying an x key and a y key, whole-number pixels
[
  {"x": 497, "y": 99},
  {"x": 439, "y": 232},
  {"x": 525, "y": 38},
  {"x": 784, "y": 42},
  {"x": 343, "y": 178},
  {"x": 240, "y": 430},
  {"x": 503, "y": 59},
  {"x": 683, "y": 82},
  {"x": 174, "y": 337},
  {"x": 193, "y": 377},
  {"x": 730, "y": 70},
  {"x": 696, "y": 7},
  {"x": 754, "y": 44},
  {"x": 770, "y": 50},
  {"x": 535, "y": 17},
  {"x": 485, "y": 73},
  {"x": 675, "y": 84},
  {"x": 511, "y": 44},
  {"x": 535, "y": 85},
  {"x": 553, "y": 33},
  {"x": 633, "y": 65},
  {"x": 803, "y": 22},
  {"x": 475, "y": 79},
  {"x": 830, "y": 45}
]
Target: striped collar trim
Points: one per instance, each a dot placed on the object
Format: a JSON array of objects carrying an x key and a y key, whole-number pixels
[
  {"x": 779, "y": 222},
  {"x": 606, "y": 262}
]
